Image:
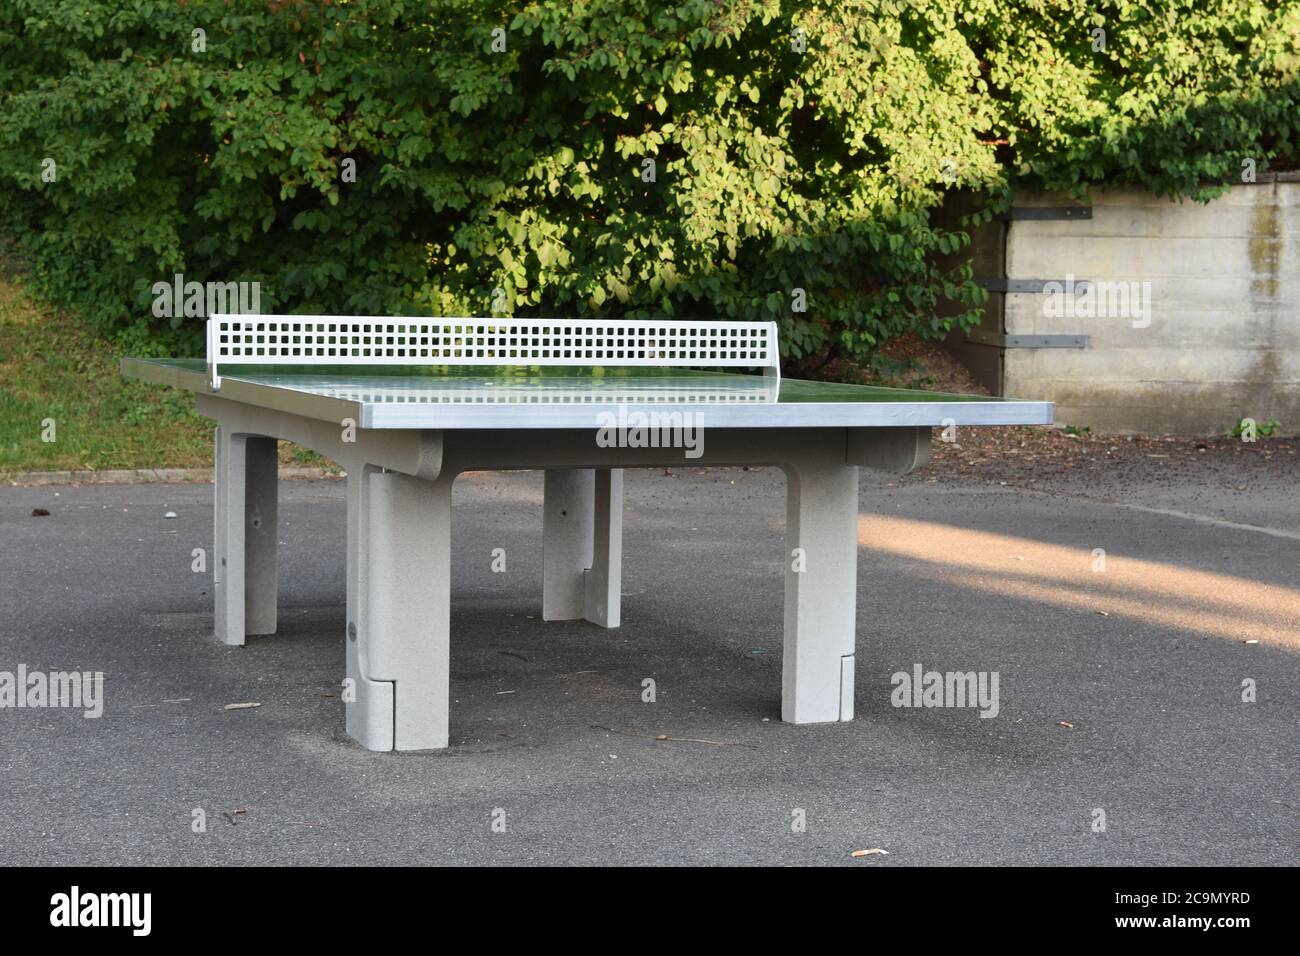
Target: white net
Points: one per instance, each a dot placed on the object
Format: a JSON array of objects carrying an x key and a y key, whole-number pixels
[{"x": 344, "y": 340}]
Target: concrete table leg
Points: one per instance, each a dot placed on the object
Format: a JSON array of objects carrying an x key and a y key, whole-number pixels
[
  {"x": 568, "y": 521},
  {"x": 368, "y": 702},
  {"x": 582, "y": 540},
  {"x": 821, "y": 564},
  {"x": 244, "y": 566},
  {"x": 603, "y": 581},
  {"x": 408, "y": 603}
]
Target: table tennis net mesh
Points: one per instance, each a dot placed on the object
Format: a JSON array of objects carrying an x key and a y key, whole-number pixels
[{"x": 300, "y": 340}]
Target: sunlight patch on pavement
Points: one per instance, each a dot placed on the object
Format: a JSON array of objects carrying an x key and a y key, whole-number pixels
[{"x": 1153, "y": 592}]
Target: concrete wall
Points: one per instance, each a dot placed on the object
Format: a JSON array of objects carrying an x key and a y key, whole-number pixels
[{"x": 1223, "y": 341}]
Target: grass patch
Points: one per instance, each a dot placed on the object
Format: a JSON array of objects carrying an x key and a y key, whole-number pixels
[{"x": 54, "y": 367}]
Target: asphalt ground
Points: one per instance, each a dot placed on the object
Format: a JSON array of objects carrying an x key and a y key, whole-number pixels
[{"x": 1120, "y": 686}]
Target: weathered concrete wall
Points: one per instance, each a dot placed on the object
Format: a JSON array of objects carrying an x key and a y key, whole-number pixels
[{"x": 1223, "y": 339}]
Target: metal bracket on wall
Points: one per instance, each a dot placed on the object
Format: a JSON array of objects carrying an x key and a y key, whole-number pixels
[
  {"x": 1004, "y": 341},
  {"x": 1030, "y": 285},
  {"x": 1046, "y": 212}
]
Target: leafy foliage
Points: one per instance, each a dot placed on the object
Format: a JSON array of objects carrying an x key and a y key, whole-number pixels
[
  {"x": 1265, "y": 429},
  {"x": 795, "y": 146}
]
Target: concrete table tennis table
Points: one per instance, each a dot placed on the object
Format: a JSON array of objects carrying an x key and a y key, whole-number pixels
[{"x": 405, "y": 405}]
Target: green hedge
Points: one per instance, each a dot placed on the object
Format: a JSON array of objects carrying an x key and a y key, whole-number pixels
[{"x": 797, "y": 146}]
